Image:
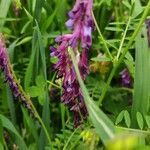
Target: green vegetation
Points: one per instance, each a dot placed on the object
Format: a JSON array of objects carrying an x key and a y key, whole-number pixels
[{"x": 116, "y": 91}]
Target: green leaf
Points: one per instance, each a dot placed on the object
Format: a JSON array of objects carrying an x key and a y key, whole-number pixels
[
  {"x": 41, "y": 99},
  {"x": 127, "y": 4},
  {"x": 120, "y": 117},
  {"x": 11, "y": 49},
  {"x": 137, "y": 8},
  {"x": 127, "y": 118},
  {"x": 103, "y": 125},
  {"x": 24, "y": 28},
  {"x": 50, "y": 19},
  {"x": 1, "y": 132},
  {"x": 147, "y": 118},
  {"x": 54, "y": 60},
  {"x": 38, "y": 90},
  {"x": 40, "y": 81},
  {"x": 31, "y": 124},
  {"x": 4, "y": 7},
  {"x": 33, "y": 91},
  {"x": 141, "y": 81},
  {"x": 1, "y": 146},
  {"x": 38, "y": 9},
  {"x": 8, "y": 125},
  {"x": 24, "y": 40},
  {"x": 140, "y": 120},
  {"x": 114, "y": 29},
  {"x": 43, "y": 71},
  {"x": 100, "y": 59},
  {"x": 28, "y": 14},
  {"x": 31, "y": 66}
]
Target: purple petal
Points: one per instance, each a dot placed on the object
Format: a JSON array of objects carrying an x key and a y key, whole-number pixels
[{"x": 70, "y": 23}]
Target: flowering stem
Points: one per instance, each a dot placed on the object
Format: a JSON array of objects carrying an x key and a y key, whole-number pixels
[
  {"x": 17, "y": 90},
  {"x": 101, "y": 37},
  {"x": 36, "y": 115},
  {"x": 116, "y": 65}
]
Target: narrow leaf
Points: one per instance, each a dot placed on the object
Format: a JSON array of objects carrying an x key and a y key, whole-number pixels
[
  {"x": 101, "y": 122},
  {"x": 127, "y": 118},
  {"x": 120, "y": 117},
  {"x": 147, "y": 118},
  {"x": 140, "y": 120},
  {"x": 142, "y": 80},
  {"x": 8, "y": 125}
]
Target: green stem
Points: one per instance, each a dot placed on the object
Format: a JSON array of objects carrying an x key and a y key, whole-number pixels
[
  {"x": 123, "y": 38},
  {"x": 53, "y": 84},
  {"x": 116, "y": 65},
  {"x": 107, "y": 85},
  {"x": 102, "y": 38},
  {"x": 69, "y": 139},
  {"x": 133, "y": 130},
  {"x": 123, "y": 89}
]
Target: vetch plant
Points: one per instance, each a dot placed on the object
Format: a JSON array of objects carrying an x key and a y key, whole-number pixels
[
  {"x": 102, "y": 76},
  {"x": 14, "y": 85},
  {"x": 81, "y": 24},
  {"x": 6, "y": 67}
]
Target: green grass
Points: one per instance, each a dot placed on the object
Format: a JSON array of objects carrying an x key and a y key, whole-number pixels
[{"x": 119, "y": 117}]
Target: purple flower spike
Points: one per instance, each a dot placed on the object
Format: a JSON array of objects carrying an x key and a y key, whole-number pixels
[
  {"x": 81, "y": 24},
  {"x": 9, "y": 77}
]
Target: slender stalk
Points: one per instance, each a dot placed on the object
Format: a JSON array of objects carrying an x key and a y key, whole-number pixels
[
  {"x": 123, "y": 89},
  {"x": 123, "y": 38},
  {"x": 133, "y": 130},
  {"x": 107, "y": 85},
  {"x": 30, "y": 102},
  {"x": 69, "y": 139},
  {"x": 102, "y": 38},
  {"x": 116, "y": 65},
  {"x": 53, "y": 84}
]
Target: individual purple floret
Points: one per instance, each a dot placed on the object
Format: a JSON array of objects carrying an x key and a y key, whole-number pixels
[
  {"x": 9, "y": 78},
  {"x": 125, "y": 78},
  {"x": 81, "y": 24}
]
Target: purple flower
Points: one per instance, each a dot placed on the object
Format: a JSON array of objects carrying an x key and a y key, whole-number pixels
[
  {"x": 125, "y": 78},
  {"x": 81, "y": 24},
  {"x": 9, "y": 77}
]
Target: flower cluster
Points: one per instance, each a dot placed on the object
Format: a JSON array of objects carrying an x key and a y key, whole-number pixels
[
  {"x": 9, "y": 77},
  {"x": 81, "y": 24}
]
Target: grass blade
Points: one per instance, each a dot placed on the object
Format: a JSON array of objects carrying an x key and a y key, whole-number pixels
[
  {"x": 102, "y": 123},
  {"x": 7, "y": 124},
  {"x": 142, "y": 81},
  {"x": 4, "y": 7}
]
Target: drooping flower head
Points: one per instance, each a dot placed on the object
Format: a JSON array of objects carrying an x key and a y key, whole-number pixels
[
  {"x": 81, "y": 24},
  {"x": 10, "y": 78}
]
